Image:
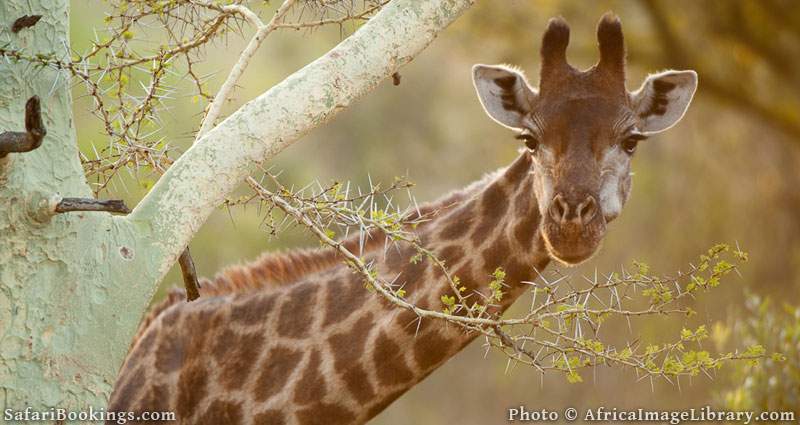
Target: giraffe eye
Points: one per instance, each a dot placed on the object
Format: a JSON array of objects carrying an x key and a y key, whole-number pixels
[
  {"x": 530, "y": 141},
  {"x": 630, "y": 143}
]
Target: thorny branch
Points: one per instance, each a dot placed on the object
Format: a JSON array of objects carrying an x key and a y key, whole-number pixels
[
  {"x": 561, "y": 330},
  {"x": 130, "y": 85},
  {"x": 131, "y": 82},
  {"x": 347, "y": 16},
  {"x": 190, "y": 280},
  {"x": 262, "y": 31}
]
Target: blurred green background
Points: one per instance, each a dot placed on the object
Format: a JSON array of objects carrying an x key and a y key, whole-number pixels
[{"x": 727, "y": 173}]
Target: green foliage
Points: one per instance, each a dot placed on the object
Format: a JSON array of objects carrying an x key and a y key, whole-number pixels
[
  {"x": 449, "y": 303},
  {"x": 561, "y": 312},
  {"x": 685, "y": 356},
  {"x": 496, "y": 285},
  {"x": 767, "y": 326}
]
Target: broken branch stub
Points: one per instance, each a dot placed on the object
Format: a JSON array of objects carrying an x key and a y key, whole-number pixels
[{"x": 31, "y": 138}]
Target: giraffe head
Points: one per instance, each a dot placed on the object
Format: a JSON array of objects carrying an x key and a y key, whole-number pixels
[{"x": 581, "y": 129}]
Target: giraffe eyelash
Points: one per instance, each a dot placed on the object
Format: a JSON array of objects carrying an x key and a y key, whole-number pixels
[{"x": 636, "y": 136}]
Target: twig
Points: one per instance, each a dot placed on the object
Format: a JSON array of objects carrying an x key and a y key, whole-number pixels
[
  {"x": 204, "y": 37},
  {"x": 562, "y": 345},
  {"x": 31, "y": 138},
  {"x": 84, "y": 204},
  {"x": 215, "y": 108},
  {"x": 189, "y": 275},
  {"x": 334, "y": 21}
]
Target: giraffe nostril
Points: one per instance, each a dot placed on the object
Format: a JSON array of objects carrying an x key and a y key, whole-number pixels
[
  {"x": 559, "y": 209},
  {"x": 587, "y": 210}
]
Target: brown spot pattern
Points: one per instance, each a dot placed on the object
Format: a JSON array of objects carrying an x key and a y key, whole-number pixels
[
  {"x": 192, "y": 389},
  {"x": 196, "y": 343},
  {"x": 235, "y": 353},
  {"x": 141, "y": 350},
  {"x": 493, "y": 204},
  {"x": 516, "y": 272},
  {"x": 348, "y": 347},
  {"x": 270, "y": 417},
  {"x": 408, "y": 321},
  {"x": 458, "y": 222},
  {"x": 311, "y": 386},
  {"x": 295, "y": 316},
  {"x": 239, "y": 358},
  {"x": 222, "y": 343},
  {"x": 495, "y": 255},
  {"x": 525, "y": 231},
  {"x": 396, "y": 258},
  {"x": 169, "y": 356},
  {"x": 156, "y": 400},
  {"x": 343, "y": 297},
  {"x": 124, "y": 397},
  {"x": 221, "y": 412},
  {"x": 357, "y": 382},
  {"x": 466, "y": 280},
  {"x": 254, "y": 310},
  {"x": 451, "y": 255},
  {"x": 325, "y": 414},
  {"x": 390, "y": 365},
  {"x": 493, "y": 201},
  {"x": 413, "y": 272},
  {"x": 430, "y": 349},
  {"x": 275, "y": 370}
]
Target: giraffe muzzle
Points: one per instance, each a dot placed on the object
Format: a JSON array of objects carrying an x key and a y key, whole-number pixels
[
  {"x": 580, "y": 212},
  {"x": 573, "y": 228}
]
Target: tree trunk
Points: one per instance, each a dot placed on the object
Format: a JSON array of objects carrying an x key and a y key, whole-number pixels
[{"x": 74, "y": 286}]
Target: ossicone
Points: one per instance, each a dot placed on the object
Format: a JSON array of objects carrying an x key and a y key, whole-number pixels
[
  {"x": 611, "y": 44},
  {"x": 554, "y": 46}
]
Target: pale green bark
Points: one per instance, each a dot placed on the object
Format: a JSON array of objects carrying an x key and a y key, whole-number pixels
[
  {"x": 53, "y": 274},
  {"x": 73, "y": 287}
]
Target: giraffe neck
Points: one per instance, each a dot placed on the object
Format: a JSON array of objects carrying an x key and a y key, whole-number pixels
[
  {"x": 324, "y": 349},
  {"x": 495, "y": 225}
]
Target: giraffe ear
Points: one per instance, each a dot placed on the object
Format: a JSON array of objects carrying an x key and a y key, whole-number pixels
[
  {"x": 663, "y": 99},
  {"x": 504, "y": 93}
]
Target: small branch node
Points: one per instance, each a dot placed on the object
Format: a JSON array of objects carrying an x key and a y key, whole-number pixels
[
  {"x": 31, "y": 138},
  {"x": 189, "y": 275},
  {"x": 26, "y": 21},
  {"x": 84, "y": 204}
]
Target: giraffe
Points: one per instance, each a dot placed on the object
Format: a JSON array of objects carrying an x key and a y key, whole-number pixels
[{"x": 296, "y": 339}]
